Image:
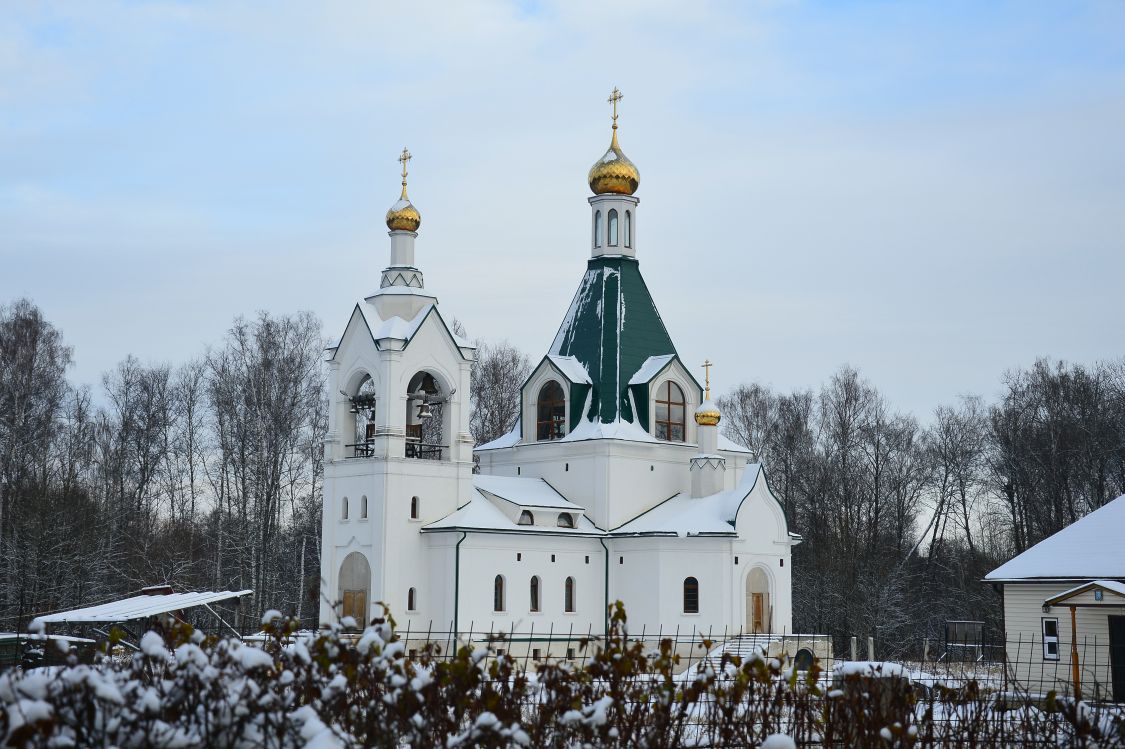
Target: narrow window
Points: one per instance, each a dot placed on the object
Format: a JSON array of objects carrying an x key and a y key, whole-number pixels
[
  {"x": 498, "y": 594},
  {"x": 551, "y": 419},
  {"x": 691, "y": 596},
  {"x": 670, "y": 412},
  {"x": 566, "y": 520},
  {"x": 568, "y": 596},
  {"x": 597, "y": 228},
  {"x": 536, "y": 654},
  {"x": 611, "y": 224},
  {"x": 628, "y": 228},
  {"x": 534, "y": 594},
  {"x": 414, "y": 508},
  {"x": 411, "y": 600},
  {"x": 1050, "y": 639},
  {"x": 344, "y": 509},
  {"x": 363, "y": 507},
  {"x": 526, "y": 518}
]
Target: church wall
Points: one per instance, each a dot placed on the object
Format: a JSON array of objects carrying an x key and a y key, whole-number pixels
[{"x": 485, "y": 555}]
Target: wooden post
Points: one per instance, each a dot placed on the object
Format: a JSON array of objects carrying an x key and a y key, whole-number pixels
[
  {"x": 870, "y": 648},
  {"x": 1074, "y": 655},
  {"x": 853, "y": 648},
  {"x": 925, "y": 649}
]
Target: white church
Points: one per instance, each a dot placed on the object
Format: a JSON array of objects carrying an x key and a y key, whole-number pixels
[{"x": 615, "y": 484}]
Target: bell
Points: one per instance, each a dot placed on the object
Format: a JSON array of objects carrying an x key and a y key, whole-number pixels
[{"x": 424, "y": 411}]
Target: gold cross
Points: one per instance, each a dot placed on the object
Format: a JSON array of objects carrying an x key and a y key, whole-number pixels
[
  {"x": 405, "y": 157},
  {"x": 615, "y": 97},
  {"x": 707, "y": 374}
]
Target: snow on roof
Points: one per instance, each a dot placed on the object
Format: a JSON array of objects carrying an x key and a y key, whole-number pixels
[
  {"x": 617, "y": 429},
  {"x": 731, "y": 446},
  {"x": 26, "y": 637},
  {"x": 1089, "y": 548},
  {"x": 571, "y": 368},
  {"x": 140, "y": 607},
  {"x": 400, "y": 291},
  {"x": 480, "y": 513},
  {"x": 525, "y": 492},
  {"x": 394, "y": 327},
  {"x": 682, "y": 515},
  {"x": 650, "y": 369},
  {"x": 1110, "y": 585},
  {"x": 508, "y": 440}
]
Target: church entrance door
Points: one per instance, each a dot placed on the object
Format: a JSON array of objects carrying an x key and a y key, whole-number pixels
[{"x": 758, "y": 614}]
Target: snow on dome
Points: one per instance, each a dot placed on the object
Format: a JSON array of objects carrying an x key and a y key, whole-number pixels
[{"x": 1087, "y": 549}]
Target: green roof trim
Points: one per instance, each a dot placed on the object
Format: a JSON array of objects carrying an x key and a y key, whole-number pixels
[{"x": 612, "y": 328}]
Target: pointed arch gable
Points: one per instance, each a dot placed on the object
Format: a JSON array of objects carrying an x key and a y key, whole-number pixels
[
  {"x": 760, "y": 491},
  {"x": 357, "y": 325}
]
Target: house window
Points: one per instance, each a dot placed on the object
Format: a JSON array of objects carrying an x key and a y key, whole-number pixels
[
  {"x": 526, "y": 518},
  {"x": 670, "y": 412},
  {"x": 568, "y": 596},
  {"x": 534, "y": 594},
  {"x": 597, "y": 228},
  {"x": 566, "y": 520},
  {"x": 414, "y": 509},
  {"x": 411, "y": 600},
  {"x": 691, "y": 596},
  {"x": 344, "y": 509},
  {"x": 611, "y": 225},
  {"x": 628, "y": 228},
  {"x": 1050, "y": 639},
  {"x": 551, "y": 419},
  {"x": 363, "y": 507},
  {"x": 498, "y": 593}
]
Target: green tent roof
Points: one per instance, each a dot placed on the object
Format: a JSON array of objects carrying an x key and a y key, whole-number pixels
[{"x": 612, "y": 328}]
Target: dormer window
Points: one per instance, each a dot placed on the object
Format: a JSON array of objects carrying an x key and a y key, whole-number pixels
[
  {"x": 526, "y": 518},
  {"x": 566, "y": 520},
  {"x": 611, "y": 225},
  {"x": 551, "y": 412},
  {"x": 670, "y": 408}
]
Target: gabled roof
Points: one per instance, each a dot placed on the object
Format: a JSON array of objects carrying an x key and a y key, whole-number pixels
[
  {"x": 1088, "y": 549},
  {"x": 653, "y": 366},
  {"x": 682, "y": 515},
  {"x": 612, "y": 328},
  {"x": 525, "y": 492},
  {"x": 395, "y": 328},
  {"x": 1111, "y": 586}
]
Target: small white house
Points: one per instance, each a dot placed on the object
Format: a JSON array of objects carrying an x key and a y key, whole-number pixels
[
  {"x": 1064, "y": 608},
  {"x": 614, "y": 484}
]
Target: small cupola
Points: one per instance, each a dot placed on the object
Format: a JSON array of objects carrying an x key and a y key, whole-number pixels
[
  {"x": 708, "y": 468},
  {"x": 403, "y": 216},
  {"x": 614, "y": 173}
]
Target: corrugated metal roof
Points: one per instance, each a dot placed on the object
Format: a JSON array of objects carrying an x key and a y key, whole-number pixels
[{"x": 140, "y": 607}]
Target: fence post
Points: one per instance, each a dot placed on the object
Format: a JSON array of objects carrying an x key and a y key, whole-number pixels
[
  {"x": 925, "y": 649},
  {"x": 870, "y": 648},
  {"x": 854, "y": 648}
]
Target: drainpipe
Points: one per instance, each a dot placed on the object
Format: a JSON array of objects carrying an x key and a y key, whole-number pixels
[
  {"x": 605, "y": 605},
  {"x": 457, "y": 582}
]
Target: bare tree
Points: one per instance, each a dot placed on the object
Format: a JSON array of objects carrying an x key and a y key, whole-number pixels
[{"x": 499, "y": 371}]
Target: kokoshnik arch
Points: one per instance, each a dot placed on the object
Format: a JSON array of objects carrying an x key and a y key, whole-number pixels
[{"x": 614, "y": 484}]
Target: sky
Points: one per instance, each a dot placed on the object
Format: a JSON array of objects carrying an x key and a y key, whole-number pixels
[{"x": 932, "y": 193}]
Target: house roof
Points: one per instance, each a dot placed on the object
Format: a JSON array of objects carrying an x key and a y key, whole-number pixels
[
  {"x": 1111, "y": 585},
  {"x": 481, "y": 514},
  {"x": 525, "y": 492},
  {"x": 1088, "y": 549},
  {"x": 682, "y": 515},
  {"x": 140, "y": 607}
]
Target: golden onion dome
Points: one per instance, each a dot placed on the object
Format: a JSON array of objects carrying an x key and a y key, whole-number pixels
[
  {"x": 707, "y": 415},
  {"x": 403, "y": 216},
  {"x": 613, "y": 172}
]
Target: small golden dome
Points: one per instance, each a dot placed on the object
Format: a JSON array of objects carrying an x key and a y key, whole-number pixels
[
  {"x": 403, "y": 216},
  {"x": 707, "y": 415},
  {"x": 614, "y": 173}
]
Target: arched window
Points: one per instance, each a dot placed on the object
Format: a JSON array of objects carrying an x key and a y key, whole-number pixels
[
  {"x": 363, "y": 507},
  {"x": 628, "y": 228},
  {"x": 535, "y": 594},
  {"x": 670, "y": 412},
  {"x": 414, "y": 509},
  {"x": 568, "y": 596},
  {"x": 526, "y": 518},
  {"x": 344, "y": 509},
  {"x": 597, "y": 228},
  {"x": 411, "y": 600},
  {"x": 498, "y": 593},
  {"x": 566, "y": 520},
  {"x": 551, "y": 412},
  {"x": 611, "y": 225},
  {"x": 691, "y": 596}
]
